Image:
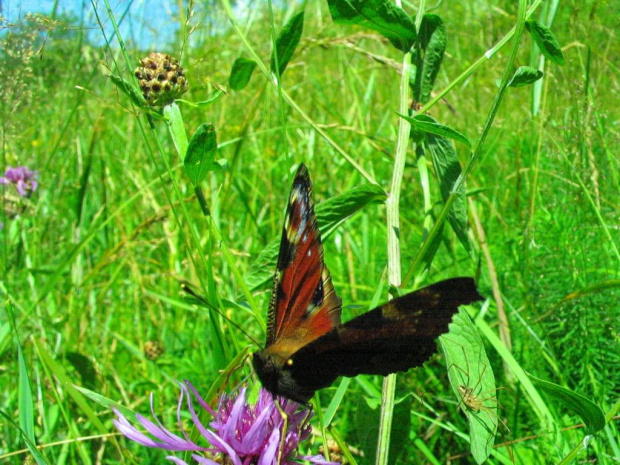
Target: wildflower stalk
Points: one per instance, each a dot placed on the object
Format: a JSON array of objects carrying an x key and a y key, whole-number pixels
[{"x": 393, "y": 242}]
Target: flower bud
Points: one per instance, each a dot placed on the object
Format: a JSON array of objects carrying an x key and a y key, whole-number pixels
[{"x": 161, "y": 79}]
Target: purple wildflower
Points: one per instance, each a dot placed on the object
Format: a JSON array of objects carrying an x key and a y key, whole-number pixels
[
  {"x": 239, "y": 434},
  {"x": 23, "y": 178}
]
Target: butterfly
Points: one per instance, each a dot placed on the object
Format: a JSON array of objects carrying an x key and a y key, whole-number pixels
[{"x": 308, "y": 347}]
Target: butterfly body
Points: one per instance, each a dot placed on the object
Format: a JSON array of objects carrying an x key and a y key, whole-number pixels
[{"x": 307, "y": 345}]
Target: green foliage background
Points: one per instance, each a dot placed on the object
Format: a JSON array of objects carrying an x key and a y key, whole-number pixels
[{"x": 92, "y": 267}]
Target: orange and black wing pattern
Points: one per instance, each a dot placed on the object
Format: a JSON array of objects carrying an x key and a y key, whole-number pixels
[
  {"x": 303, "y": 303},
  {"x": 308, "y": 348}
]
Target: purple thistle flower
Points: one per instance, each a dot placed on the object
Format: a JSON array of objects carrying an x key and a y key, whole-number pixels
[
  {"x": 23, "y": 178},
  {"x": 239, "y": 434}
]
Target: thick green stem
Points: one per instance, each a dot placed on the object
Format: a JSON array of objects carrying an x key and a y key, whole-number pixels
[{"x": 393, "y": 243}]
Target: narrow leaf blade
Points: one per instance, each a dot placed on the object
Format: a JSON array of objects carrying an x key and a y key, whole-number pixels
[
  {"x": 287, "y": 42},
  {"x": 26, "y": 404},
  {"x": 105, "y": 402}
]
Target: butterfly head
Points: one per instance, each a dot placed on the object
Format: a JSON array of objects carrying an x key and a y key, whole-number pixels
[{"x": 274, "y": 373}]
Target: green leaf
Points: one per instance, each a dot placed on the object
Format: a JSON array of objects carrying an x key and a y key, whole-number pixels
[
  {"x": 176, "y": 127},
  {"x": 32, "y": 447},
  {"x": 429, "y": 125},
  {"x": 433, "y": 41},
  {"x": 105, "y": 402},
  {"x": 129, "y": 90},
  {"x": 241, "y": 73},
  {"x": 546, "y": 41},
  {"x": 588, "y": 411},
  {"x": 287, "y": 42},
  {"x": 330, "y": 214},
  {"x": 24, "y": 399},
  {"x": 469, "y": 368},
  {"x": 26, "y": 404},
  {"x": 214, "y": 97},
  {"x": 379, "y": 15},
  {"x": 201, "y": 151},
  {"x": 525, "y": 75},
  {"x": 448, "y": 169},
  {"x": 330, "y": 411}
]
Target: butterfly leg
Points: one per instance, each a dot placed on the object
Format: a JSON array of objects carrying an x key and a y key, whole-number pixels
[{"x": 283, "y": 430}]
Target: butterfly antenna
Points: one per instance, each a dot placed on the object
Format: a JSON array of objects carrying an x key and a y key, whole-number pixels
[{"x": 204, "y": 303}]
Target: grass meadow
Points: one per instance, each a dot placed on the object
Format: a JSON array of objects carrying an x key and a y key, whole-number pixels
[{"x": 94, "y": 259}]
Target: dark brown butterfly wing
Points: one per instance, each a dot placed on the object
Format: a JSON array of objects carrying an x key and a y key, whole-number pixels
[
  {"x": 303, "y": 303},
  {"x": 393, "y": 337}
]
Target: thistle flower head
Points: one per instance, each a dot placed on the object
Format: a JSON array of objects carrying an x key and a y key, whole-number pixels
[
  {"x": 239, "y": 434},
  {"x": 161, "y": 79},
  {"x": 22, "y": 178}
]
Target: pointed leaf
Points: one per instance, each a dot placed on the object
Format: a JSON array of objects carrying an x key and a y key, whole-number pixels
[
  {"x": 379, "y": 15},
  {"x": 329, "y": 214},
  {"x": 176, "y": 127},
  {"x": 201, "y": 151},
  {"x": 469, "y": 368},
  {"x": 287, "y": 42},
  {"x": 448, "y": 169},
  {"x": 333, "y": 406},
  {"x": 433, "y": 41},
  {"x": 525, "y": 75},
  {"x": 334, "y": 211},
  {"x": 427, "y": 124},
  {"x": 26, "y": 404},
  {"x": 214, "y": 97},
  {"x": 546, "y": 41},
  {"x": 32, "y": 447},
  {"x": 588, "y": 411},
  {"x": 241, "y": 73},
  {"x": 105, "y": 402}
]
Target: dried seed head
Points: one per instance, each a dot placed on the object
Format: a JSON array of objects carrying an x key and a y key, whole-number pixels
[
  {"x": 153, "y": 350},
  {"x": 161, "y": 79}
]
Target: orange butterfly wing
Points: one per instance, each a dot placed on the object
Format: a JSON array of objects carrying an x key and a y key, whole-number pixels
[{"x": 303, "y": 303}]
